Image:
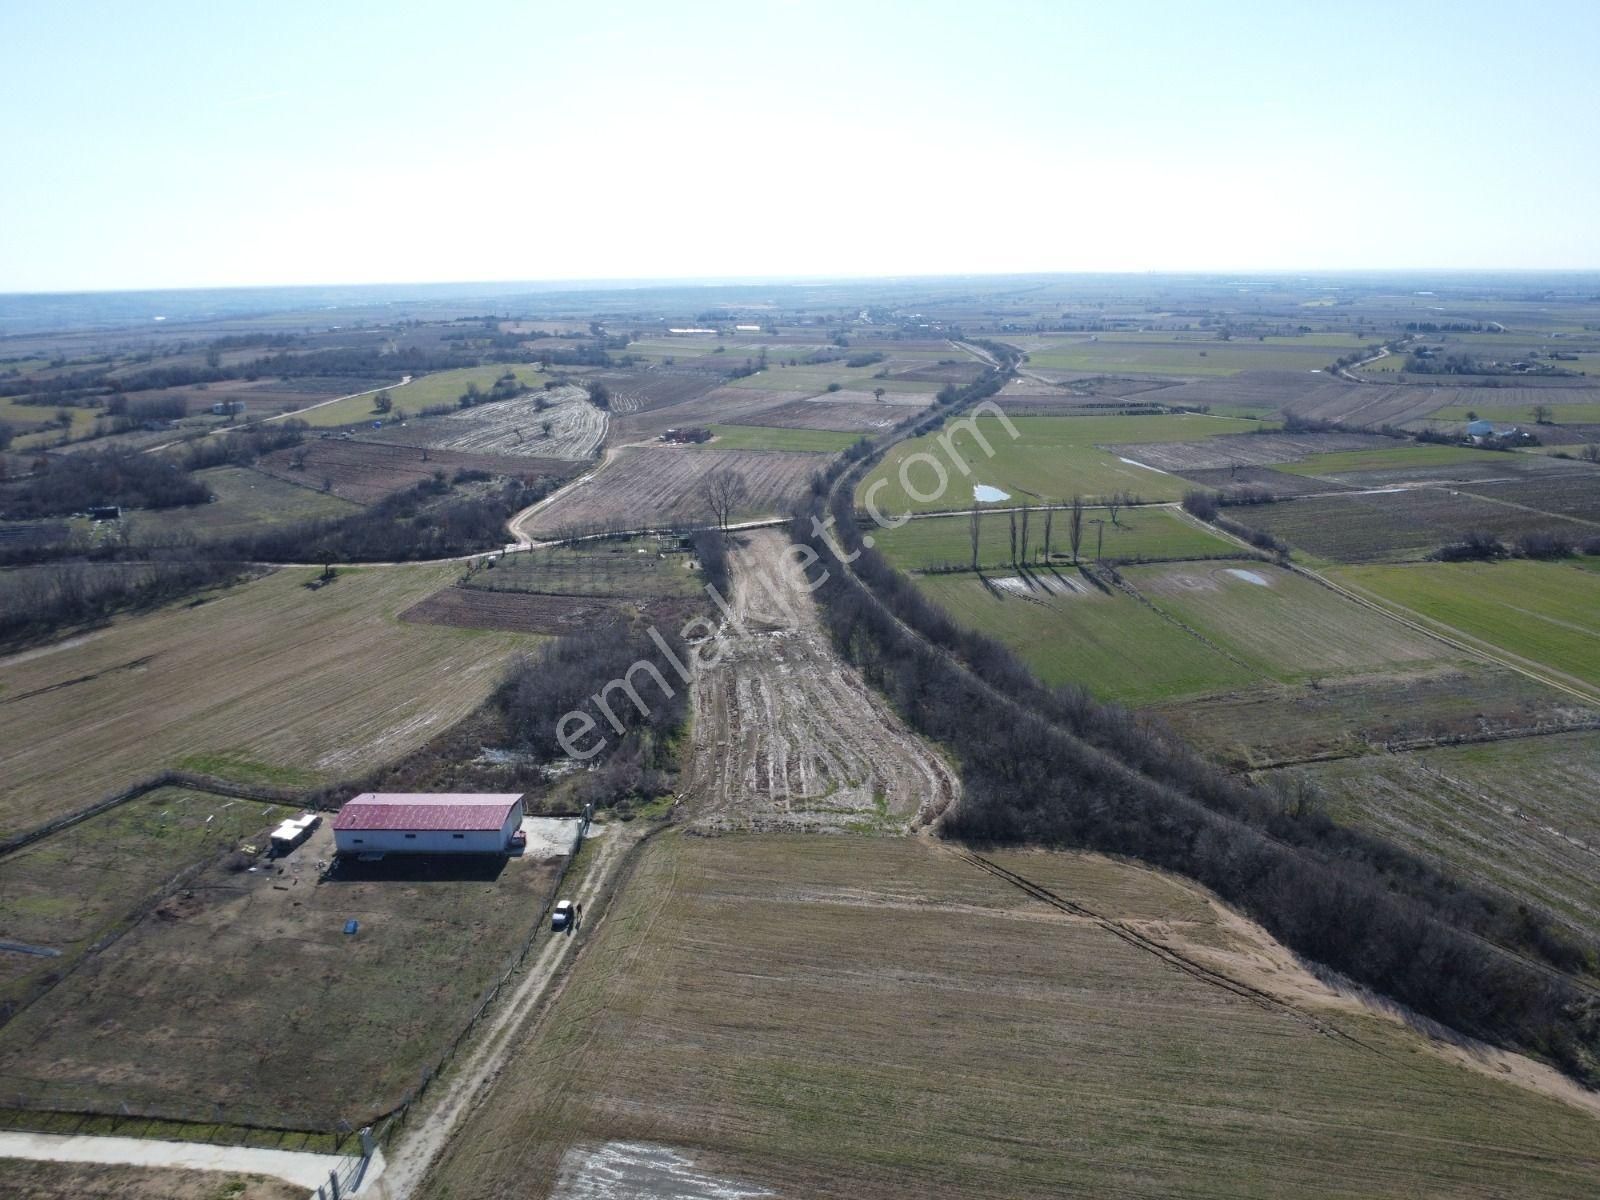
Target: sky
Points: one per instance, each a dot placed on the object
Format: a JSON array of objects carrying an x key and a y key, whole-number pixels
[{"x": 247, "y": 144}]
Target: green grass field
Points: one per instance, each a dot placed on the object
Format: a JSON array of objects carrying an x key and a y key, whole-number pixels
[
  {"x": 1547, "y": 613},
  {"x": 875, "y": 1019},
  {"x": 762, "y": 437},
  {"x": 1140, "y": 533},
  {"x": 1113, "y": 645},
  {"x": 1050, "y": 460},
  {"x": 1180, "y": 354},
  {"x": 1283, "y": 625},
  {"x": 317, "y": 685}
]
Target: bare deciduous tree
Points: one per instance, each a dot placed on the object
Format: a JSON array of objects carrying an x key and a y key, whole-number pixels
[
  {"x": 1049, "y": 519},
  {"x": 1013, "y": 515},
  {"x": 975, "y": 532},
  {"x": 1075, "y": 526},
  {"x": 1024, "y": 533},
  {"x": 1113, "y": 503},
  {"x": 723, "y": 491}
]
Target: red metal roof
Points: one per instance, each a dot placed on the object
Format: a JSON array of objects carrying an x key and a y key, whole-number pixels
[{"x": 426, "y": 811}]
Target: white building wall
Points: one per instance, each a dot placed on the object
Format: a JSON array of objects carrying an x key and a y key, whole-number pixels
[{"x": 425, "y": 841}]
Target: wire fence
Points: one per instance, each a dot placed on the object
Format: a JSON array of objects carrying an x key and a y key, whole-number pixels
[{"x": 131, "y": 1110}]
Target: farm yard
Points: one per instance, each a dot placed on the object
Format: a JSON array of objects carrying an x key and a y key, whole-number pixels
[
  {"x": 651, "y": 486},
  {"x": 226, "y": 988},
  {"x": 756, "y": 1015},
  {"x": 555, "y": 424},
  {"x": 267, "y": 682}
]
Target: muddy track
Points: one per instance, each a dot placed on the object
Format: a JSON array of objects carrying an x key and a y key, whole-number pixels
[{"x": 787, "y": 736}]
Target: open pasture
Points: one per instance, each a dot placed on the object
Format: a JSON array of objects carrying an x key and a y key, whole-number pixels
[
  {"x": 1139, "y": 533},
  {"x": 366, "y": 471},
  {"x": 1383, "y": 710},
  {"x": 1199, "y": 353},
  {"x": 1050, "y": 460},
  {"x": 1282, "y": 624},
  {"x": 267, "y": 681},
  {"x": 1547, "y": 613},
  {"x": 755, "y": 1013},
  {"x": 1069, "y": 631},
  {"x": 1518, "y": 815},
  {"x": 773, "y": 437},
  {"x": 70, "y": 889},
  {"x": 238, "y": 990},
  {"x": 1359, "y": 527},
  {"x": 649, "y": 486}
]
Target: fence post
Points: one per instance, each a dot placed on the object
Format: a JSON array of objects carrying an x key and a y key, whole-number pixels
[{"x": 333, "y": 1182}]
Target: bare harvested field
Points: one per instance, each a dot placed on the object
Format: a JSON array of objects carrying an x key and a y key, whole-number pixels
[
  {"x": 655, "y": 387},
  {"x": 241, "y": 988},
  {"x": 1575, "y": 495},
  {"x": 269, "y": 681},
  {"x": 874, "y": 1019},
  {"x": 1380, "y": 711},
  {"x": 659, "y": 485},
  {"x": 1319, "y": 396},
  {"x": 517, "y": 612},
  {"x": 1247, "y": 449},
  {"x": 790, "y": 737},
  {"x": 864, "y": 396},
  {"x": 367, "y": 471},
  {"x": 641, "y": 568},
  {"x": 1518, "y": 815},
  {"x": 516, "y": 427},
  {"x": 1279, "y": 483},
  {"x": 846, "y": 418},
  {"x": 720, "y": 405},
  {"x": 96, "y": 1181}
]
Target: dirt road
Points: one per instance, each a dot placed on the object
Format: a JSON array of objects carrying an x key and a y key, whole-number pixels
[
  {"x": 790, "y": 737},
  {"x": 493, "y": 1046},
  {"x": 307, "y": 1170}
]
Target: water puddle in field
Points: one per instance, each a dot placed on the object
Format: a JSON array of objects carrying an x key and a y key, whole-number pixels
[
  {"x": 984, "y": 494},
  {"x": 1248, "y": 576},
  {"x": 1134, "y": 462},
  {"x": 641, "y": 1171}
]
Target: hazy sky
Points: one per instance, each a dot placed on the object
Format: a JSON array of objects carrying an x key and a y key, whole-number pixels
[{"x": 170, "y": 144}]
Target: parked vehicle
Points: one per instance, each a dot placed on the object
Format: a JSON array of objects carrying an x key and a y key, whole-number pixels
[{"x": 561, "y": 916}]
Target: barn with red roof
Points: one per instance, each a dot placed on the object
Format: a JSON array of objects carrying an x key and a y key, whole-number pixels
[{"x": 428, "y": 823}]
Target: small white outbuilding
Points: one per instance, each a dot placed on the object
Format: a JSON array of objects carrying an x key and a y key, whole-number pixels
[{"x": 427, "y": 823}]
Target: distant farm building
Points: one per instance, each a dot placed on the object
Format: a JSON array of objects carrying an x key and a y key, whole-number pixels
[
  {"x": 427, "y": 823},
  {"x": 1483, "y": 431},
  {"x": 748, "y": 328},
  {"x": 226, "y": 408},
  {"x": 105, "y": 512}
]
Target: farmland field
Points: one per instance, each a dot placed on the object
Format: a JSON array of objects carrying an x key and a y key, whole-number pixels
[
  {"x": 1546, "y": 613},
  {"x": 246, "y": 500},
  {"x": 275, "y": 679},
  {"x": 1365, "y": 713},
  {"x": 366, "y": 471},
  {"x": 227, "y": 989},
  {"x": 659, "y": 485},
  {"x": 830, "y": 1017},
  {"x": 1050, "y": 459},
  {"x": 1139, "y": 533},
  {"x": 441, "y": 387},
  {"x": 765, "y": 437},
  {"x": 517, "y": 612},
  {"x": 1401, "y": 463},
  {"x": 1374, "y": 527},
  {"x": 1518, "y": 815},
  {"x": 42, "y": 1180},
  {"x": 1070, "y": 632},
  {"x": 626, "y": 568},
  {"x": 1571, "y": 494},
  {"x": 1247, "y": 449},
  {"x": 517, "y": 427},
  {"x": 817, "y": 414},
  {"x": 1178, "y": 354},
  {"x": 1282, "y": 624}
]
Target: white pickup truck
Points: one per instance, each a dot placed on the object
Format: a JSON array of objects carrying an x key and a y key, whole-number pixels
[{"x": 561, "y": 915}]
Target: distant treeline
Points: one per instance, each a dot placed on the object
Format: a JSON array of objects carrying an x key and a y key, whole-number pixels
[{"x": 1054, "y": 767}]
